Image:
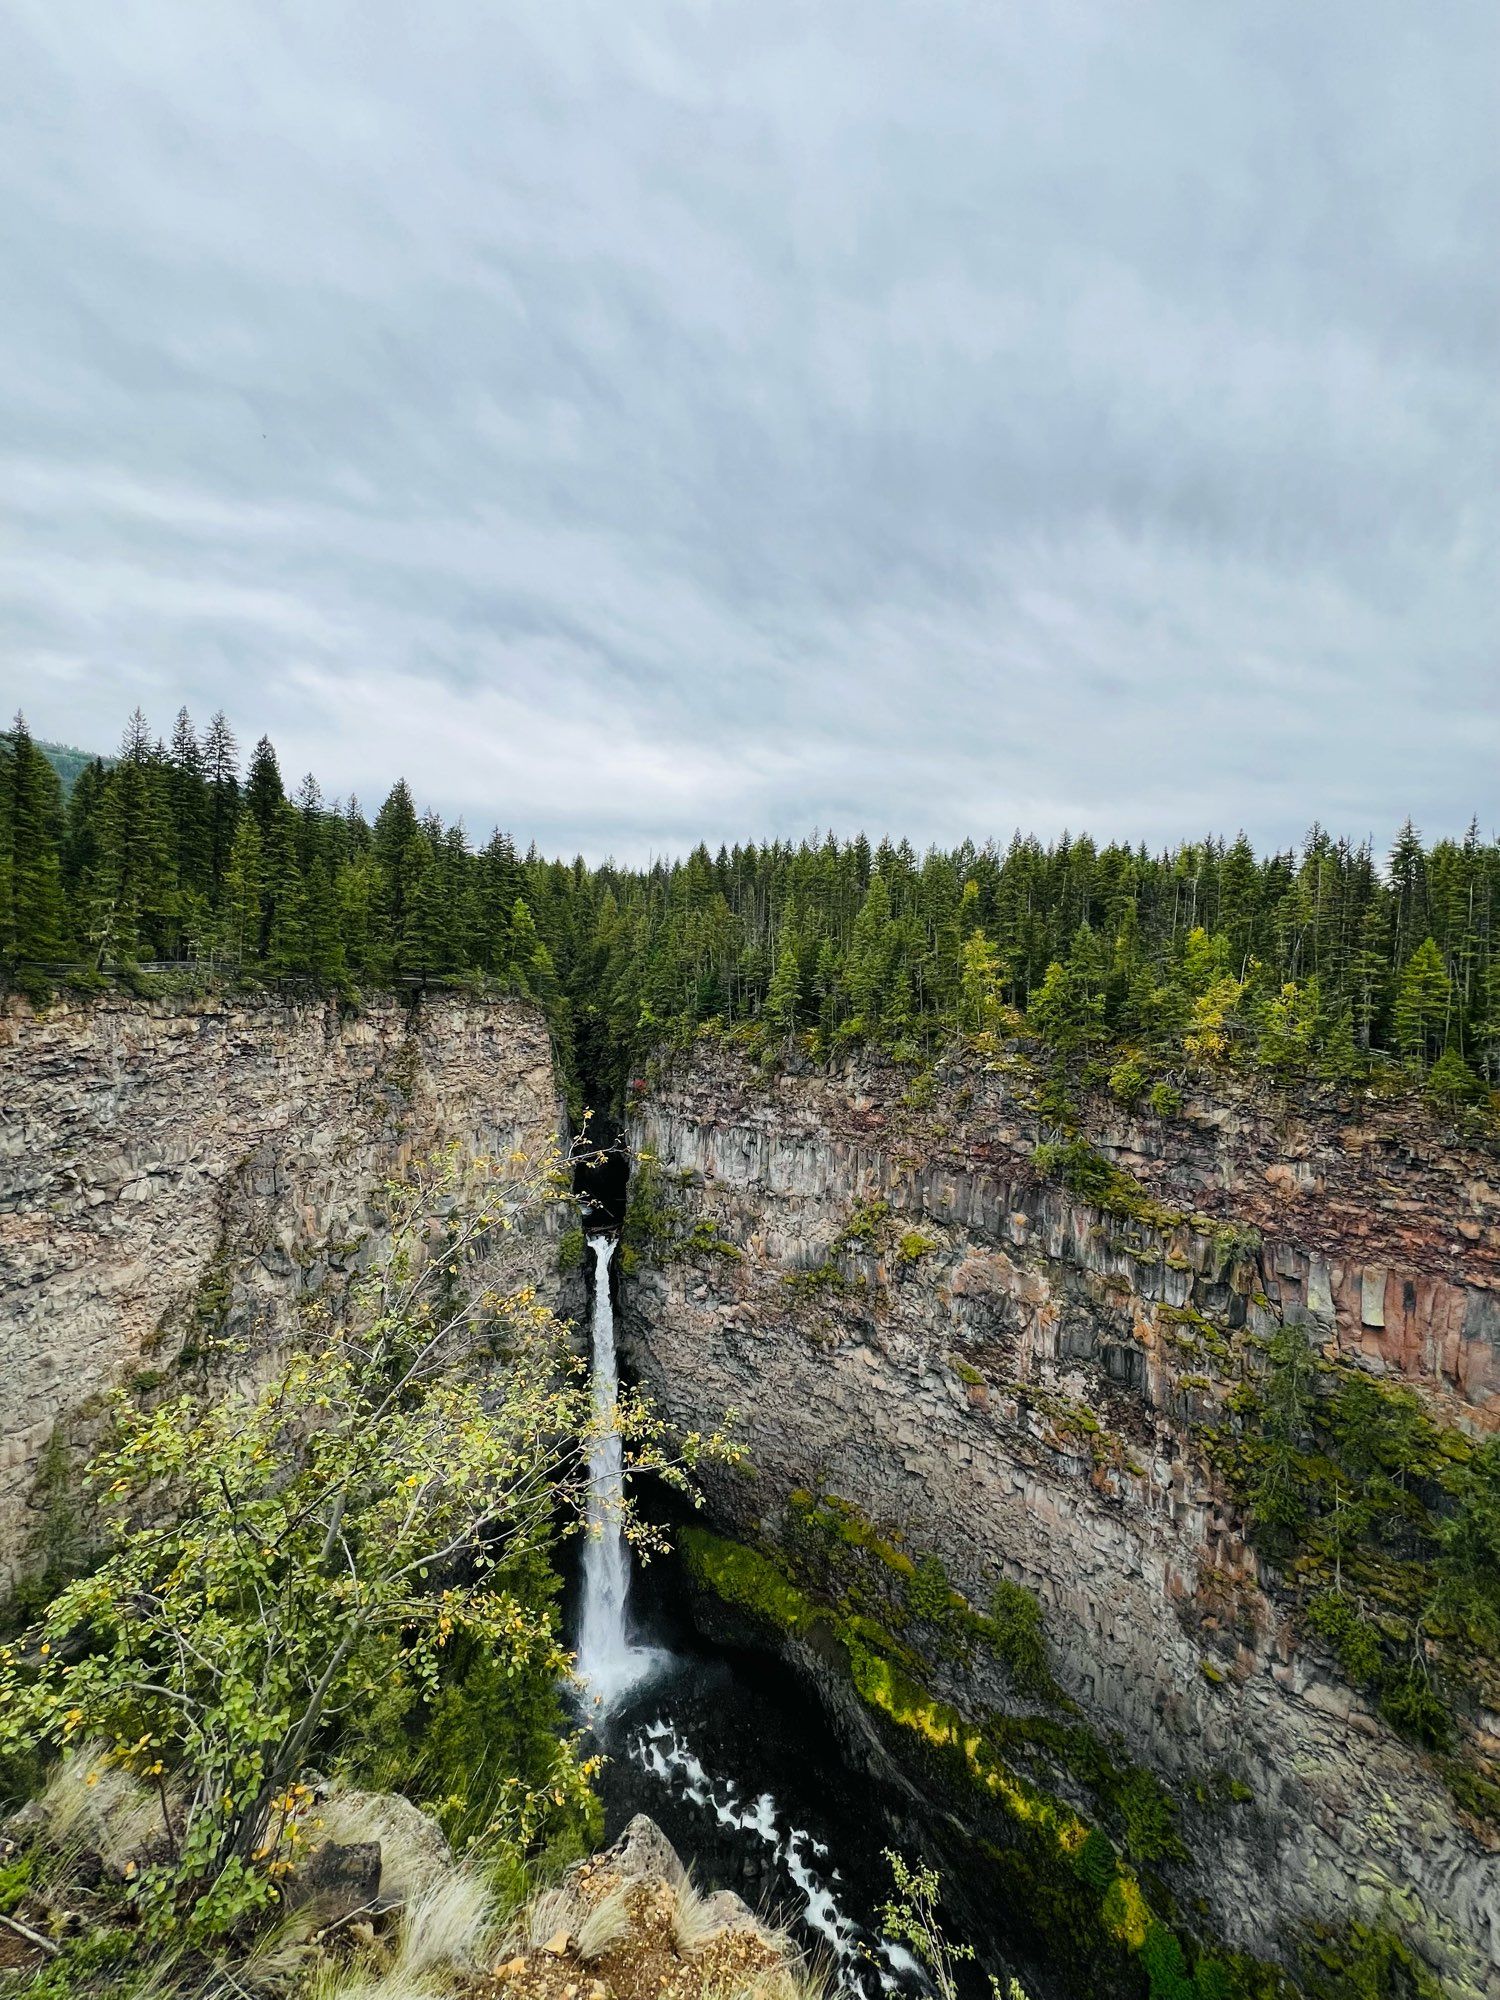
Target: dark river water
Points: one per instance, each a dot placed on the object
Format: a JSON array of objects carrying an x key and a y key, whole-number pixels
[
  {"x": 735, "y": 1763},
  {"x": 733, "y": 1756}
]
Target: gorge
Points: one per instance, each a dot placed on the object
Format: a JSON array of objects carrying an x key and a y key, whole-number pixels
[{"x": 989, "y": 1517}]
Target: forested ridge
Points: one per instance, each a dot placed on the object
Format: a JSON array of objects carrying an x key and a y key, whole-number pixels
[{"x": 1326, "y": 961}]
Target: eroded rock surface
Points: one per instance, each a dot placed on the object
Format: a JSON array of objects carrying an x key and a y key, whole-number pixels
[
  {"x": 173, "y": 1174},
  {"x": 1012, "y": 1377}
]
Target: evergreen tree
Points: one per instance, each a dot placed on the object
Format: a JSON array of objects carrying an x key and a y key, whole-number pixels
[
  {"x": 785, "y": 991},
  {"x": 131, "y": 902},
  {"x": 32, "y": 919},
  {"x": 867, "y": 968},
  {"x": 323, "y": 941},
  {"x": 284, "y": 916},
  {"x": 244, "y": 886},
  {"x": 264, "y": 795},
  {"x": 221, "y": 762},
  {"x": 424, "y": 941},
  {"x": 1423, "y": 1003}
]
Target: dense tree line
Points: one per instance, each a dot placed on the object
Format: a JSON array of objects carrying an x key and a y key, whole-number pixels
[
  {"x": 172, "y": 853},
  {"x": 1317, "y": 961}
]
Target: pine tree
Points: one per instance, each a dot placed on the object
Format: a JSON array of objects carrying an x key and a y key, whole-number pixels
[
  {"x": 785, "y": 991},
  {"x": 395, "y": 824},
  {"x": 131, "y": 901},
  {"x": 31, "y": 900},
  {"x": 1423, "y": 1003},
  {"x": 283, "y": 916},
  {"x": 424, "y": 943},
  {"x": 360, "y": 898},
  {"x": 190, "y": 805},
  {"x": 325, "y": 961},
  {"x": 244, "y": 886},
  {"x": 221, "y": 759},
  {"x": 1407, "y": 870},
  {"x": 867, "y": 967},
  {"x": 264, "y": 795},
  {"x": 1486, "y": 1029}
]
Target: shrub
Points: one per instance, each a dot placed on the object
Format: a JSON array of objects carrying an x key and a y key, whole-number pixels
[
  {"x": 929, "y": 1594},
  {"x": 1096, "y": 1860},
  {"x": 1410, "y": 1703},
  {"x": 1353, "y": 1639},
  {"x": 1450, "y": 1082},
  {"x": 1127, "y": 1080},
  {"x": 1161, "y": 1955},
  {"x": 1015, "y": 1632},
  {"x": 1165, "y": 1100}
]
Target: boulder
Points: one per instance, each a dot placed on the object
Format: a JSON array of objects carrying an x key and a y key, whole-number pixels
[
  {"x": 412, "y": 1847},
  {"x": 643, "y": 1853},
  {"x": 337, "y": 1878}
]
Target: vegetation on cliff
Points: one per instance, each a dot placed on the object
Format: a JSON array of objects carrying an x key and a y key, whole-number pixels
[
  {"x": 1090, "y": 1898},
  {"x": 349, "y": 1563},
  {"x": 1386, "y": 1526},
  {"x": 1311, "y": 963}
]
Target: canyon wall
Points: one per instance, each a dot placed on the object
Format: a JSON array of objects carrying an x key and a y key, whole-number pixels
[
  {"x": 174, "y": 1174},
  {"x": 1015, "y": 1380}
]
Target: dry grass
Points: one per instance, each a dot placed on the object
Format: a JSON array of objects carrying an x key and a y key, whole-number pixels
[
  {"x": 693, "y": 1918},
  {"x": 645, "y": 1940},
  {"x": 605, "y": 1924},
  {"x": 447, "y": 1923},
  {"x": 553, "y": 1911},
  {"x": 91, "y": 1801}
]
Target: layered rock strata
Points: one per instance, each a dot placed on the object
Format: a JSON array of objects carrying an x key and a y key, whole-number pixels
[
  {"x": 169, "y": 1173},
  {"x": 1014, "y": 1379}
]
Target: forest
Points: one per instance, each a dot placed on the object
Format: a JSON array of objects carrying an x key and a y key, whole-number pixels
[{"x": 1328, "y": 962}]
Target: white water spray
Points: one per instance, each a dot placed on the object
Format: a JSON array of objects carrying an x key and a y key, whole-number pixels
[
  {"x": 608, "y": 1664},
  {"x": 866, "y": 1967}
]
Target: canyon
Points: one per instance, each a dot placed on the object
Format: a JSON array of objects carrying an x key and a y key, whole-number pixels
[
  {"x": 929, "y": 1338},
  {"x": 938, "y": 1348},
  {"x": 178, "y": 1181}
]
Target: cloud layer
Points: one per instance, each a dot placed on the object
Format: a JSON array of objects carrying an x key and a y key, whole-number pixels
[{"x": 639, "y": 425}]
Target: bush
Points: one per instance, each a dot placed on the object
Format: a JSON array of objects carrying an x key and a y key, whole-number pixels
[
  {"x": 1127, "y": 1080},
  {"x": 1096, "y": 1860},
  {"x": 1165, "y": 1100},
  {"x": 1410, "y": 1703},
  {"x": 929, "y": 1594},
  {"x": 1015, "y": 1632},
  {"x": 1451, "y": 1082},
  {"x": 1353, "y": 1639}
]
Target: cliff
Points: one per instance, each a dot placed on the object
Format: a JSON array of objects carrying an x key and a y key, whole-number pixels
[
  {"x": 939, "y": 1349},
  {"x": 178, "y": 1177}
]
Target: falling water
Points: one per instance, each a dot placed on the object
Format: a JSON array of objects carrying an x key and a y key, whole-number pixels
[{"x": 608, "y": 1664}]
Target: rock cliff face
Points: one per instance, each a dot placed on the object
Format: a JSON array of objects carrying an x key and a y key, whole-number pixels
[
  {"x": 1012, "y": 1378},
  {"x": 171, "y": 1173}
]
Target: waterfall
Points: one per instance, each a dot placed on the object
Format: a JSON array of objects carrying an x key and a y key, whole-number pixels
[{"x": 608, "y": 1664}]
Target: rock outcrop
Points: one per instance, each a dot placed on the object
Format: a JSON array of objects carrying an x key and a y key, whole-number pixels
[
  {"x": 911, "y": 1316},
  {"x": 174, "y": 1173}
]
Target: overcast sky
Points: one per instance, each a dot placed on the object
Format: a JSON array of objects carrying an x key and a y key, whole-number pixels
[{"x": 643, "y": 423}]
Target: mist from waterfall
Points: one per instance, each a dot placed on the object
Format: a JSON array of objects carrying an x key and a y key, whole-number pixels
[{"x": 609, "y": 1663}]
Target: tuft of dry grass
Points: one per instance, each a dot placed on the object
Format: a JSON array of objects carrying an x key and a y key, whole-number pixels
[
  {"x": 605, "y": 1924},
  {"x": 693, "y": 1920},
  {"x": 91, "y": 1801},
  {"x": 446, "y": 1923}
]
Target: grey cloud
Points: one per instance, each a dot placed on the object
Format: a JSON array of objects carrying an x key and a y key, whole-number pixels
[{"x": 695, "y": 419}]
